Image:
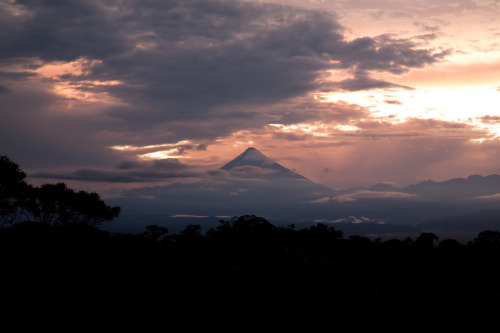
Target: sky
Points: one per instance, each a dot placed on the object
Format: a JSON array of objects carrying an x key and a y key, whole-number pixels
[{"x": 109, "y": 95}]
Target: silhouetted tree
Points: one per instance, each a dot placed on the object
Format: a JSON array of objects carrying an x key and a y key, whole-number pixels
[
  {"x": 243, "y": 229},
  {"x": 155, "y": 232},
  {"x": 192, "y": 231},
  {"x": 426, "y": 241},
  {"x": 13, "y": 191},
  {"x": 450, "y": 245},
  {"x": 49, "y": 203},
  {"x": 487, "y": 238},
  {"x": 320, "y": 237},
  {"x": 58, "y": 204},
  {"x": 321, "y": 229}
]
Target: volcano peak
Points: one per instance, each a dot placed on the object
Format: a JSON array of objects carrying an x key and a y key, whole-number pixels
[{"x": 253, "y": 158}]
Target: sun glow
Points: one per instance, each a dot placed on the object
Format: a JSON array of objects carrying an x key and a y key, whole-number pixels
[
  {"x": 347, "y": 128},
  {"x": 314, "y": 129},
  {"x": 162, "y": 154},
  {"x": 139, "y": 148},
  {"x": 458, "y": 104},
  {"x": 158, "y": 151}
]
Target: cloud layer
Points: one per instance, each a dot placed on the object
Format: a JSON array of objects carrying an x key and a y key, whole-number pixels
[{"x": 171, "y": 79}]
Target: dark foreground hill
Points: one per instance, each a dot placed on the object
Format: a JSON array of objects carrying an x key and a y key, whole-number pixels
[{"x": 245, "y": 272}]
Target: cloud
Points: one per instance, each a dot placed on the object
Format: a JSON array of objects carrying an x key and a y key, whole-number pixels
[
  {"x": 366, "y": 194},
  {"x": 60, "y": 31},
  {"x": 354, "y": 220},
  {"x": 393, "y": 102},
  {"x": 189, "y": 216},
  {"x": 489, "y": 119},
  {"x": 412, "y": 128},
  {"x": 493, "y": 196},
  {"x": 239, "y": 191},
  {"x": 362, "y": 81},
  {"x": 388, "y": 53},
  {"x": 321, "y": 200},
  {"x": 427, "y": 36},
  {"x": 128, "y": 172}
]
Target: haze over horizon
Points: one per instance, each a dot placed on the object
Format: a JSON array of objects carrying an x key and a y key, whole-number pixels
[{"x": 109, "y": 96}]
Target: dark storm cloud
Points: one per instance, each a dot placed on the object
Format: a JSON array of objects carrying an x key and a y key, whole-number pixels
[
  {"x": 253, "y": 64},
  {"x": 186, "y": 70},
  {"x": 59, "y": 30},
  {"x": 182, "y": 59}
]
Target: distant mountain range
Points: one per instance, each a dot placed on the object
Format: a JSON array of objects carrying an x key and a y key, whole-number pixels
[
  {"x": 254, "y": 184},
  {"x": 470, "y": 187}
]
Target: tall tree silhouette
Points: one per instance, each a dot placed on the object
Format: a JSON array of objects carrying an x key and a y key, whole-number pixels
[
  {"x": 58, "y": 204},
  {"x": 49, "y": 203},
  {"x": 13, "y": 191}
]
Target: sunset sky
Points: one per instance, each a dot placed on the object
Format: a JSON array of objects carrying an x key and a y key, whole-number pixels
[{"x": 105, "y": 95}]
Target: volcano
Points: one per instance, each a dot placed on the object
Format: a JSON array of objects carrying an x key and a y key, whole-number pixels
[
  {"x": 252, "y": 163},
  {"x": 250, "y": 184}
]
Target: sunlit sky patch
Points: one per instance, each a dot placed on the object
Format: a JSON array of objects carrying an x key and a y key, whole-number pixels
[{"x": 454, "y": 104}]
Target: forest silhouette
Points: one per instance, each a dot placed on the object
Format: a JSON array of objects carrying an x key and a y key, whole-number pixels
[{"x": 60, "y": 269}]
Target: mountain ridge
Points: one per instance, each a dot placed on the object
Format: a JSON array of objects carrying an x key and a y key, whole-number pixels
[{"x": 468, "y": 186}]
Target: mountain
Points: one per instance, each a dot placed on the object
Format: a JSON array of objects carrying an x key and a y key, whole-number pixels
[
  {"x": 422, "y": 202},
  {"x": 472, "y": 186}
]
